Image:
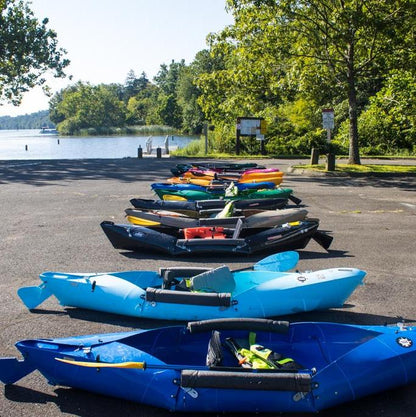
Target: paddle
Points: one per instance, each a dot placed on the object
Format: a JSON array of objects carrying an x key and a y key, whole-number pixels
[
  {"x": 278, "y": 262},
  {"x": 130, "y": 365},
  {"x": 126, "y": 365},
  {"x": 12, "y": 369}
]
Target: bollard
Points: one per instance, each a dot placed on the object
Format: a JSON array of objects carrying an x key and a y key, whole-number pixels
[
  {"x": 330, "y": 162},
  {"x": 158, "y": 152},
  {"x": 314, "y": 156},
  {"x": 25, "y": 147},
  {"x": 139, "y": 152}
]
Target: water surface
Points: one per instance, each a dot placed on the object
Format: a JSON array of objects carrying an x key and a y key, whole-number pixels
[{"x": 31, "y": 144}]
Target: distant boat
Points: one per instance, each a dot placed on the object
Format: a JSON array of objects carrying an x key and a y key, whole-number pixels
[{"x": 48, "y": 131}]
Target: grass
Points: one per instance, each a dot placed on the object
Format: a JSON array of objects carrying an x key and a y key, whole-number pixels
[{"x": 365, "y": 169}]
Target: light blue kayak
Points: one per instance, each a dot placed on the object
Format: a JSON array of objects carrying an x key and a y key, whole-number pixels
[{"x": 265, "y": 290}]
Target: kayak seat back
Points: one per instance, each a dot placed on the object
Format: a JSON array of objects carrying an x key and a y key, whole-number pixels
[
  {"x": 216, "y": 280},
  {"x": 237, "y": 229},
  {"x": 170, "y": 275}
]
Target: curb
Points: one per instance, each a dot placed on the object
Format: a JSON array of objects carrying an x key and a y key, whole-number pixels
[{"x": 312, "y": 173}]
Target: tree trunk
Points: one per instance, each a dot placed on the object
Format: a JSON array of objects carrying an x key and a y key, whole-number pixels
[{"x": 354, "y": 151}]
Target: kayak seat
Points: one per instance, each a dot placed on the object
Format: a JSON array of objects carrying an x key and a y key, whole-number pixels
[
  {"x": 214, "y": 354},
  {"x": 170, "y": 275},
  {"x": 216, "y": 280},
  {"x": 237, "y": 229},
  {"x": 169, "y": 280}
]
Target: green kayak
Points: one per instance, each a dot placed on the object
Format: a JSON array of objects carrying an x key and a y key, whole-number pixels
[{"x": 193, "y": 195}]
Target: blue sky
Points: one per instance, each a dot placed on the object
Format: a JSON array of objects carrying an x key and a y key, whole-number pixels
[{"x": 106, "y": 38}]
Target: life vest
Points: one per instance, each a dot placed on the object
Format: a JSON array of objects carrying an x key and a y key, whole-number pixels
[
  {"x": 204, "y": 233},
  {"x": 259, "y": 357},
  {"x": 231, "y": 190}
]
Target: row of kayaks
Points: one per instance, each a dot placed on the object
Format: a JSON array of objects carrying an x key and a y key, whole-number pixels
[
  {"x": 231, "y": 356},
  {"x": 191, "y": 219}
]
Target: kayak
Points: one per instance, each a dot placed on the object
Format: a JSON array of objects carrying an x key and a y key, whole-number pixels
[
  {"x": 193, "y": 195},
  {"x": 228, "y": 365},
  {"x": 259, "y": 175},
  {"x": 267, "y": 218},
  {"x": 217, "y": 187},
  {"x": 217, "y": 167},
  {"x": 173, "y": 241},
  {"x": 215, "y": 184},
  {"x": 205, "y": 208},
  {"x": 200, "y": 293}
]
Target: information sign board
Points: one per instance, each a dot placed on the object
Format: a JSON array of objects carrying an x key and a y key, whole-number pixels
[{"x": 328, "y": 118}]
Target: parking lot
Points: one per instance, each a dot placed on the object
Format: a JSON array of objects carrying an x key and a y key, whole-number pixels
[{"x": 51, "y": 213}]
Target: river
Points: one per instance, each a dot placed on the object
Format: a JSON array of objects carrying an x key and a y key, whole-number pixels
[{"x": 31, "y": 144}]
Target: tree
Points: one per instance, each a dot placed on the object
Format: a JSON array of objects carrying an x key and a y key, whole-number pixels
[
  {"x": 28, "y": 49},
  {"x": 86, "y": 106},
  {"x": 280, "y": 49},
  {"x": 389, "y": 122},
  {"x": 351, "y": 39},
  {"x": 188, "y": 92},
  {"x": 167, "y": 110}
]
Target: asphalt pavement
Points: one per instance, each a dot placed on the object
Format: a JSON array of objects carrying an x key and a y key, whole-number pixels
[{"x": 51, "y": 213}]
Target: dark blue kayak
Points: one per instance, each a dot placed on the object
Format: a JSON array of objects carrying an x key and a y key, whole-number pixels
[
  {"x": 198, "y": 208},
  {"x": 236, "y": 240},
  {"x": 234, "y": 365}
]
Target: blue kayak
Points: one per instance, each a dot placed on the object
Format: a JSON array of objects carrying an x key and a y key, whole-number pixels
[
  {"x": 240, "y": 365},
  {"x": 198, "y": 293}
]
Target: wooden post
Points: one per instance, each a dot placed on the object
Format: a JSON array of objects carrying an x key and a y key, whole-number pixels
[
  {"x": 330, "y": 162},
  {"x": 314, "y": 156}
]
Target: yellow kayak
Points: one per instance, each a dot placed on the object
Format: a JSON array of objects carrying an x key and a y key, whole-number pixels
[
  {"x": 188, "y": 180},
  {"x": 141, "y": 222},
  {"x": 277, "y": 180}
]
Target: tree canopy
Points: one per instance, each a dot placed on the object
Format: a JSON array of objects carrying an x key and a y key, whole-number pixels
[
  {"x": 28, "y": 49},
  {"x": 282, "y": 60},
  {"x": 324, "y": 51}
]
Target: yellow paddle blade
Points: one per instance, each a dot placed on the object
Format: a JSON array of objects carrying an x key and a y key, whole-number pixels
[
  {"x": 141, "y": 222},
  {"x": 129, "y": 365},
  {"x": 170, "y": 197}
]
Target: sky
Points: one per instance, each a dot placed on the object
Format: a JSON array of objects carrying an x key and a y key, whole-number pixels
[{"x": 105, "y": 39}]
